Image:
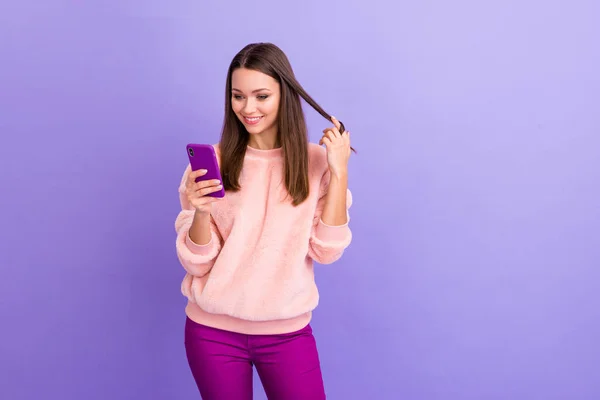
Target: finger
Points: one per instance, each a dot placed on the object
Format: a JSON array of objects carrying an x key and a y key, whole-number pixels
[
  {"x": 202, "y": 191},
  {"x": 334, "y": 130},
  {"x": 326, "y": 141},
  {"x": 205, "y": 200},
  {"x": 208, "y": 190},
  {"x": 204, "y": 184},
  {"x": 330, "y": 135},
  {"x": 196, "y": 174},
  {"x": 336, "y": 122}
]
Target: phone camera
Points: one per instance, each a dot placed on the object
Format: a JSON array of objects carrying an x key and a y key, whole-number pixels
[{"x": 191, "y": 151}]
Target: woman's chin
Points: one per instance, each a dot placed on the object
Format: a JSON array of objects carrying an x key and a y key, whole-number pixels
[{"x": 253, "y": 130}]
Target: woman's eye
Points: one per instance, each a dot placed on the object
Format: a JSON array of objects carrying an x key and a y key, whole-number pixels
[
  {"x": 237, "y": 96},
  {"x": 263, "y": 97}
]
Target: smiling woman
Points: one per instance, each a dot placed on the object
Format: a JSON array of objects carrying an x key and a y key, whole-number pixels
[
  {"x": 249, "y": 256},
  {"x": 260, "y": 79}
]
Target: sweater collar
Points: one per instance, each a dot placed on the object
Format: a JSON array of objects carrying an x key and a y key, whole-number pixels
[{"x": 270, "y": 154}]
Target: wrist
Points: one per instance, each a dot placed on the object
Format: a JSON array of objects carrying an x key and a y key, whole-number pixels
[
  {"x": 339, "y": 175},
  {"x": 201, "y": 214}
]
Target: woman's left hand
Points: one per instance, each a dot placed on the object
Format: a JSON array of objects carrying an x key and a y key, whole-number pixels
[{"x": 338, "y": 149}]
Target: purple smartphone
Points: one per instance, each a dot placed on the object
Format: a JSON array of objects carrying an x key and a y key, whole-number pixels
[{"x": 203, "y": 156}]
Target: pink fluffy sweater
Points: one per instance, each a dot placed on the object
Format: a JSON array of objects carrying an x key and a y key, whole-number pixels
[{"x": 256, "y": 275}]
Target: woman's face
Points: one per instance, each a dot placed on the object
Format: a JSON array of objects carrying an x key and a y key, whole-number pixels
[{"x": 255, "y": 101}]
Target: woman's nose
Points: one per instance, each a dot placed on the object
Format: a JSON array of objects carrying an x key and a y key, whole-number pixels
[{"x": 249, "y": 107}]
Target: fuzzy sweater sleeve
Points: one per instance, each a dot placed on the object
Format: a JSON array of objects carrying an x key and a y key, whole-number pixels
[
  {"x": 196, "y": 259},
  {"x": 327, "y": 243}
]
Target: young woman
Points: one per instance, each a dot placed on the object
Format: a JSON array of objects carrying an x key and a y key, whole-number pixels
[{"x": 249, "y": 256}]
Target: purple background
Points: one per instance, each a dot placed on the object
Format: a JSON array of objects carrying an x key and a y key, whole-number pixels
[{"x": 474, "y": 268}]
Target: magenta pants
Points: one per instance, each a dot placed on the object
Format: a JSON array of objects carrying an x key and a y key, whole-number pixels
[{"x": 222, "y": 361}]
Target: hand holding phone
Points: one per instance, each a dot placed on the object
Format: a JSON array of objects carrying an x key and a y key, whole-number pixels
[{"x": 204, "y": 185}]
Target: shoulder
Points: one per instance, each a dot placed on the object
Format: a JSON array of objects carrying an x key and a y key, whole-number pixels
[
  {"x": 318, "y": 169},
  {"x": 317, "y": 158}
]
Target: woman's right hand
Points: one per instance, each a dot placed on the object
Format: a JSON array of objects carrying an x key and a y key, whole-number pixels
[{"x": 197, "y": 191}]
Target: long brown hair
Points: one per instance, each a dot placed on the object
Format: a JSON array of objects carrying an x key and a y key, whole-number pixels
[{"x": 292, "y": 132}]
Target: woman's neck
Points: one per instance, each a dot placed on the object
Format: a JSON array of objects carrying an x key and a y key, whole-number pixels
[{"x": 264, "y": 143}]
